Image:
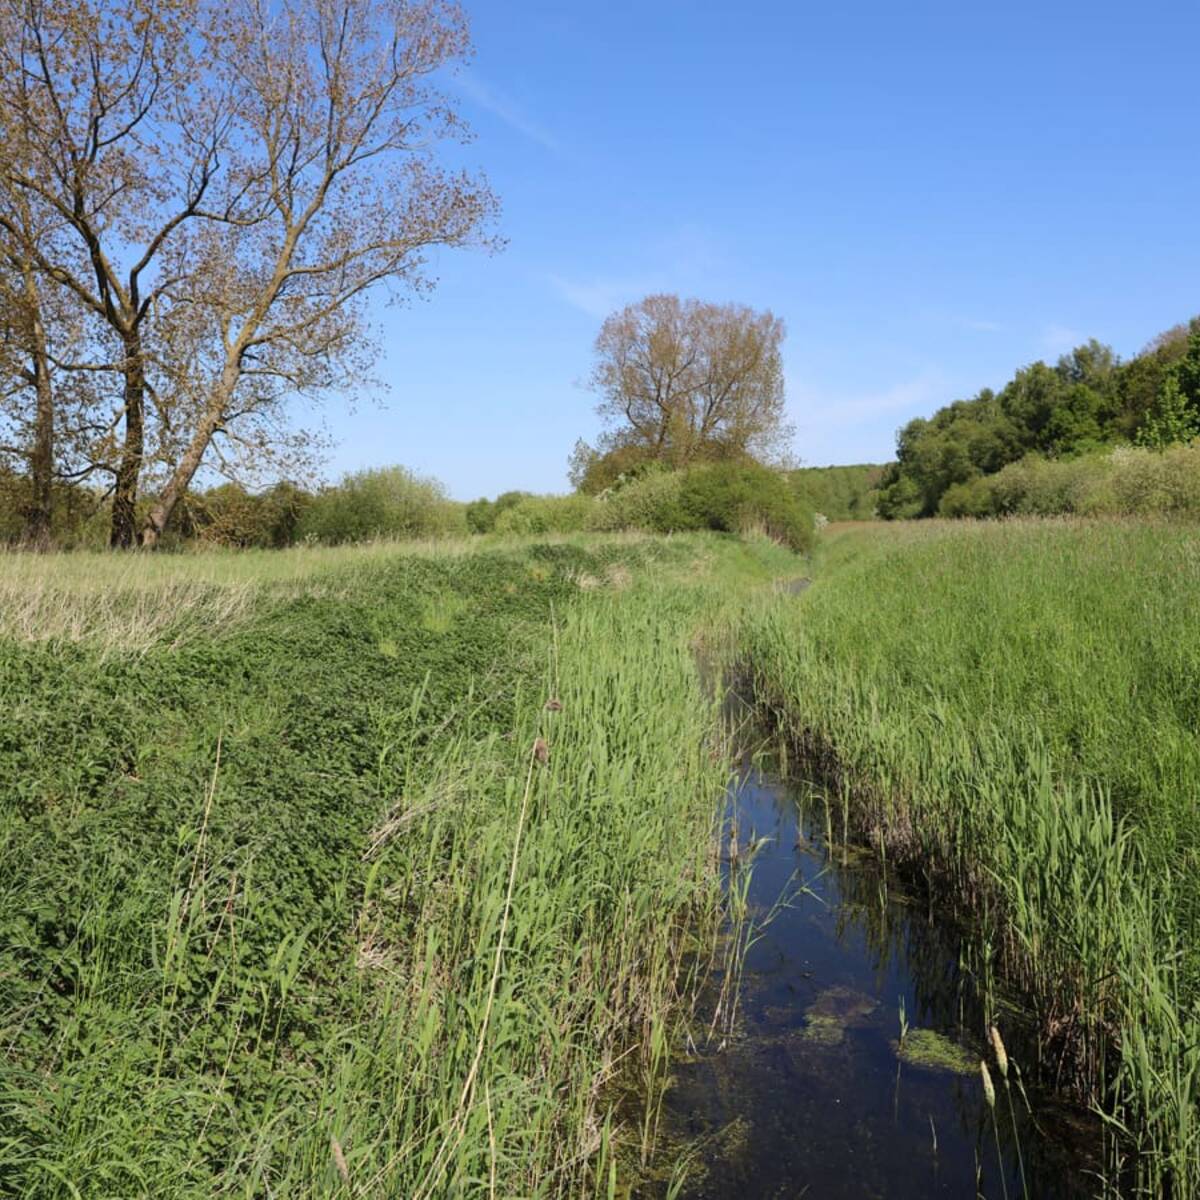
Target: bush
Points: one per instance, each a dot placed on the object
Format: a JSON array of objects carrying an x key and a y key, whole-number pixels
[
  {"x": 228, "y": 515},
  {"x": 841, "y": 493},
  {"x": 975, "y": 498},
  {"x": 546, "y": 514},
  {"x": 742, "y": 498},
  {"x": 650, "y": 503},
  {"x": 728, "y": 497},
  {"x": 482, "y": 514},
  {"x": 389, "y": 502},
  {"x": 1123, "y": 482}
]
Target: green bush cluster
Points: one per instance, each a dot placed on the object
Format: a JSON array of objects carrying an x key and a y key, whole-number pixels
[
  {"x": 482, "y": 514},
  {"x": 726, "y": 497},
  {"x": 389, "y": 502},
  {"x": 648, "y": 502},
  {"x": 743, "y": 498},
  {"x": 230, "y": 515},
  {"x": 1126, "y": 481},
  {"x": 545, "y": 514}
]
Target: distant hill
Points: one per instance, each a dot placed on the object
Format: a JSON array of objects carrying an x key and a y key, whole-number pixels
[{"x": 839, "y": 493}]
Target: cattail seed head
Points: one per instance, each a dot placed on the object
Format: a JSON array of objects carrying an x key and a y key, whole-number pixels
[
  {"x": 541, "y": 751},
  {"x": 339, "y": 1159},
  {"x": 989, "y": 1092},
  {"x": 1000, "y": 1052}
]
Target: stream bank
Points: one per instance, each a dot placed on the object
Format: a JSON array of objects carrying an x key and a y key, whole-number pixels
[{"x": 853, "y": 1067}]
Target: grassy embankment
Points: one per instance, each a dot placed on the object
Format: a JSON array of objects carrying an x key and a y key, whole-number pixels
[
  {"x": 1012, "y": 710},
  {"x": 292, "y": 906}
]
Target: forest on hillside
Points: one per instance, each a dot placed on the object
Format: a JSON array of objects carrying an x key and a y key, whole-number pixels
[{"x": 1082, "y": 406}]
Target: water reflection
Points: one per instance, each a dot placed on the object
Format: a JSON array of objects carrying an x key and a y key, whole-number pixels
[{"x": 810, "y": 1096}]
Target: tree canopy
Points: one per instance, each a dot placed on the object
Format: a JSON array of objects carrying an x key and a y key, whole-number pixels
[
  {"x": 1087, "y": 400},
  {"x": 682, "y": 381}
]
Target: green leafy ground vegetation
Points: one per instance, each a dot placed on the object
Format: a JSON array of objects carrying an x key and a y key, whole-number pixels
[
  {"x": 358, "y": 874},
  {"x": 1009, "y": 710}
]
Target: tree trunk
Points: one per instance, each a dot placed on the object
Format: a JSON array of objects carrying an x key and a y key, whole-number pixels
[
  {"x": 187, "y": 466},
  {"x": 174, "y": 490},
  {"x": 129, "y": 469},
  {"x": 38, "y": 515}
]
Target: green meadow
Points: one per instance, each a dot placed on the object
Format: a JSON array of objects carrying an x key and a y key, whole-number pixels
[{"x": 394, "y": 870}]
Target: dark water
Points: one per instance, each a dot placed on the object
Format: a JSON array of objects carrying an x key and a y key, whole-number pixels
[{"x": 808, "y": 1096}]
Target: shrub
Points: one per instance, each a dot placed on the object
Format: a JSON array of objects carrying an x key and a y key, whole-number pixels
[
  {"x": 1126, "y": 481},
  {"x": 546, "y": 514},
  {"x": 728, "y": 497},
  {"x": 841, "y": 493},
  {"x": 389, "y": 502},
  {"x": 975, "y": 498},
  {"x": 650, "y": 503},
  {"x": 739, "y": 498},
  {"x": 482, "y": 514}
]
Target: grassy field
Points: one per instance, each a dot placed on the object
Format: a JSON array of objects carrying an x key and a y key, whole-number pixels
[
  {"x": 352, "y": 873},
  {"x": 393, "y": 870},
  {"x": 1011, "y": 710}
]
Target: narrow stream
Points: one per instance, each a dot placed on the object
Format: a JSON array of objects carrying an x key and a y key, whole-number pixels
[{"x": 810, "y": 1097}]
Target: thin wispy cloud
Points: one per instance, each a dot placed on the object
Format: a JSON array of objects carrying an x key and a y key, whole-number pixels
[
  {"x": 909, "y": 398},
  {"x": 688, "y": 259},
  {"x": 499, "y": 104},
  {"x": 599, "y": 297},
  {"x": 860, "y": 426},
  {"x": 948, "y": 317}
]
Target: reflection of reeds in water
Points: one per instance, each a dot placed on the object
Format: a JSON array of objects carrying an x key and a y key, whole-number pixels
[{"x": 952, "y": 980}]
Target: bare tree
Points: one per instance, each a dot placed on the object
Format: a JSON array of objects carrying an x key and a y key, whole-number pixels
[
  {"x": 236, "y": 179},
  {"x": 105, "y": 134},
  {"x": 35, "y": 322},
  {"x": 335, "y": 115},
  {"x": 681, "y": 380},
  {"x": 27, "y": 398}
]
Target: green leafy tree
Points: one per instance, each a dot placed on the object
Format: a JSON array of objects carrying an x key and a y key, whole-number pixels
[{"x": 1174, "y": 419}]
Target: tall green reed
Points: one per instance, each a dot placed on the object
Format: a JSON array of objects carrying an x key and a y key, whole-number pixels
[{"x": 1009, "y": 709}]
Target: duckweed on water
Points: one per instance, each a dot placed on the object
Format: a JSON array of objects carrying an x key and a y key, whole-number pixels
[
  {"x": 828, "y": 1017},
  {"x": 933, "y": 1051}
]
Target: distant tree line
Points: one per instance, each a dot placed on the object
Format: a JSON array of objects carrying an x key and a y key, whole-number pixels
[
  {"x": 384, "y": 502},
  {"x": 1086, "y": 402}
]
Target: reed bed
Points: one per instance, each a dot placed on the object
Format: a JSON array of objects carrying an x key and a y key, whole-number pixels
[
  {"x": 1010, "y": 710},
  {"x": 397, "y": 886}
]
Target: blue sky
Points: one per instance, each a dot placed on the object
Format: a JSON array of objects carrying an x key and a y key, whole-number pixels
[{"x": 930, "y": 195}]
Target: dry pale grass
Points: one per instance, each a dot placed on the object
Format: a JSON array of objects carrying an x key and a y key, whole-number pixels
[
  {"x": 128, "y": 603},
  {"x": 119, "y": 619}
]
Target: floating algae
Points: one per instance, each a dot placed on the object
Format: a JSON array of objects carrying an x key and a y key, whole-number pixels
[
  {"x": 935, "y": 1052},
  {"x": 833, "y": 1010}
]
